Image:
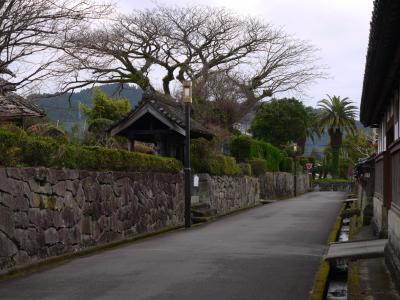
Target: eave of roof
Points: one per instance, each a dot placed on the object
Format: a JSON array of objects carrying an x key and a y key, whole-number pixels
[
  {"x": 15, "y": 106},
  {"x": 382, "y": 62}
]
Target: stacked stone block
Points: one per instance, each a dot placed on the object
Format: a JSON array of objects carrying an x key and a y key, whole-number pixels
[{"x": 48, "y": 212}]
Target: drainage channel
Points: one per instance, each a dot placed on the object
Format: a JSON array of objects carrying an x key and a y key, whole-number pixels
[{"x": 337, "y": 280}]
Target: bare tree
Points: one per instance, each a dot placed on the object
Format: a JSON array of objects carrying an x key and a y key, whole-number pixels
[
  {"x": 30, "y": 29},
  {"x": 195, "y": 43}
]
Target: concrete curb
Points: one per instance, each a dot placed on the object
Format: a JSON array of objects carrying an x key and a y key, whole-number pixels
[{"x": 59, "y": 260}]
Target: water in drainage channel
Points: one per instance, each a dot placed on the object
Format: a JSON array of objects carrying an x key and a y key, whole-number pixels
[{"x": 337, "y": 281}]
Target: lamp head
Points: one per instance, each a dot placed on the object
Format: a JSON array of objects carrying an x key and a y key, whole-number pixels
[
  {"x": 187, "y": 91},
  {"x": 295, "y": 147}
]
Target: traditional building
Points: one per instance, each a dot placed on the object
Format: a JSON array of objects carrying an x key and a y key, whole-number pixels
[
  {"x": 380, "y": 109},
  {"x": 14, "y": 108},
  {"x": 159, "y": 120},
  {"x": 364, "y": 172}
]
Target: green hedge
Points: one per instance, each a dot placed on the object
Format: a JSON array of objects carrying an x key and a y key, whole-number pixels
[
  {"x": 223, "y": 165},
  {"x": 244, "y": 149},
  {"x": 204, "y": 160},
  {"x": 258, "y": 166},
  {"x": 286, "y": 164},
  {"x": 17, "y": 150},
  {"x": 245, "y": 169},
  {"x": 200, "y": 155}
]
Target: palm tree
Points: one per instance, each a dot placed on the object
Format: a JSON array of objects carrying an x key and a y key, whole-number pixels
[{"x": 337, "y": 116}]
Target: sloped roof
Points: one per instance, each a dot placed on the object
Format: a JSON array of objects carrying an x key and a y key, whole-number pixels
[
  {"x": 14, "y": 106},
  {"x": 382, "y": 62},
  {"x": 167, "y": 107}
]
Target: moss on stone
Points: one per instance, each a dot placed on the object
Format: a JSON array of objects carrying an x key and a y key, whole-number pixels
[
  {"x": 50, "y": 202},
  {"x": 320, "y": 280}
]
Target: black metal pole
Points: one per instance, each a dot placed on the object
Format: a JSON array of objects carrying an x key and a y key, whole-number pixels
[
  {"x": 188, "y": 185},
  {"x": 295, "y": 177}
]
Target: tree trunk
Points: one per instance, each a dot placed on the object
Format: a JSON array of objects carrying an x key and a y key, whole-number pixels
[
  {"x": 336, "y": 138},
  {"x": 335, "y": 162}
]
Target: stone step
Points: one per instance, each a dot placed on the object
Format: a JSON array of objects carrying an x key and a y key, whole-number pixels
[
  {"x": 200, "y": 205},
  {"x": 196, "y": 220},
  {"x": 204, "y": 213},
  {"x": 267, "y": 201}
]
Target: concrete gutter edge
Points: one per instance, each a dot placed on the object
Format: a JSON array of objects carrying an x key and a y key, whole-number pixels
[{"x": 321, "y": 277}]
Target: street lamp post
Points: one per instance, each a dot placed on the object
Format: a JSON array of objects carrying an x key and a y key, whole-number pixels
[
  {"x": 187, "y": 100},
  {"x": 295, "y": 168}
]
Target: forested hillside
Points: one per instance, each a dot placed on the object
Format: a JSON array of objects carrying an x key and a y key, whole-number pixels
[{"x": 64, "y": 109}]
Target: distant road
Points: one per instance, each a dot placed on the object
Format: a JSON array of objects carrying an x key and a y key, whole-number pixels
[{"x": 270, "y": 252}]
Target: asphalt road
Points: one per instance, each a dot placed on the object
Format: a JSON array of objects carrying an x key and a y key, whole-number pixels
[{"x": 270, "y": 252}]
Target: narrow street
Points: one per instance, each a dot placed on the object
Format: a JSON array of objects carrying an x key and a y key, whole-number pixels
[{"x": 270, "y": 252}]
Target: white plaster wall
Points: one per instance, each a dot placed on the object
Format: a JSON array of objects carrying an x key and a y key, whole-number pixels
[
  {"x": 377, "y": 219},
  {"x": 394, "y": 229}
]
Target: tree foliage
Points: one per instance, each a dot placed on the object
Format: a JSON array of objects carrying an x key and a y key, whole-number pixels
[
  {"x": 105, "y": 107},
  {"x": 104, "y": 112},
  {"x": 281, "y": 121},
  {"x": 336, "y": 116},
  {"x": 358, "y": 145}
]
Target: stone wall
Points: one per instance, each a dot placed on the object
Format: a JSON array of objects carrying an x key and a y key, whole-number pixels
[
  {"x": 226, "y": 194},
  {"x": 280, "y": 185},
  {"x": 334, "y": 186},
  {"x": 46, "y": 212}
]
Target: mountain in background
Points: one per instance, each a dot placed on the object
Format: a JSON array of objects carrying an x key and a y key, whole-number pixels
[{"x": 64, "y": 109}]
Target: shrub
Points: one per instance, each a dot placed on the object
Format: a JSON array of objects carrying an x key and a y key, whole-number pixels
[
  {"x": 241, "y": 148},
  {"x": 286, "y": 164},
  {"x": 258, "y": 166},
  {"x": 200, "y": 155},
  {"x": 18, "y": 150},
  {"x": 245, "y": 169},
  {"x": 48, "y": 130},
  {"x": 10, "y": 150},
  {"x": 272, "y": 155},
  {"x": 223, "y": 165},
  {"x": 103, "y": 159},
  {"x": 204, "y": 160},
  {"x": 14, "y": 129},
  {"x": 39, "y": 151},
  {"x": 244, "y": 148}
]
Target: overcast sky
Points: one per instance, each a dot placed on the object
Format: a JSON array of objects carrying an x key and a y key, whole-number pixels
[{"x": 339, "y": 28}]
